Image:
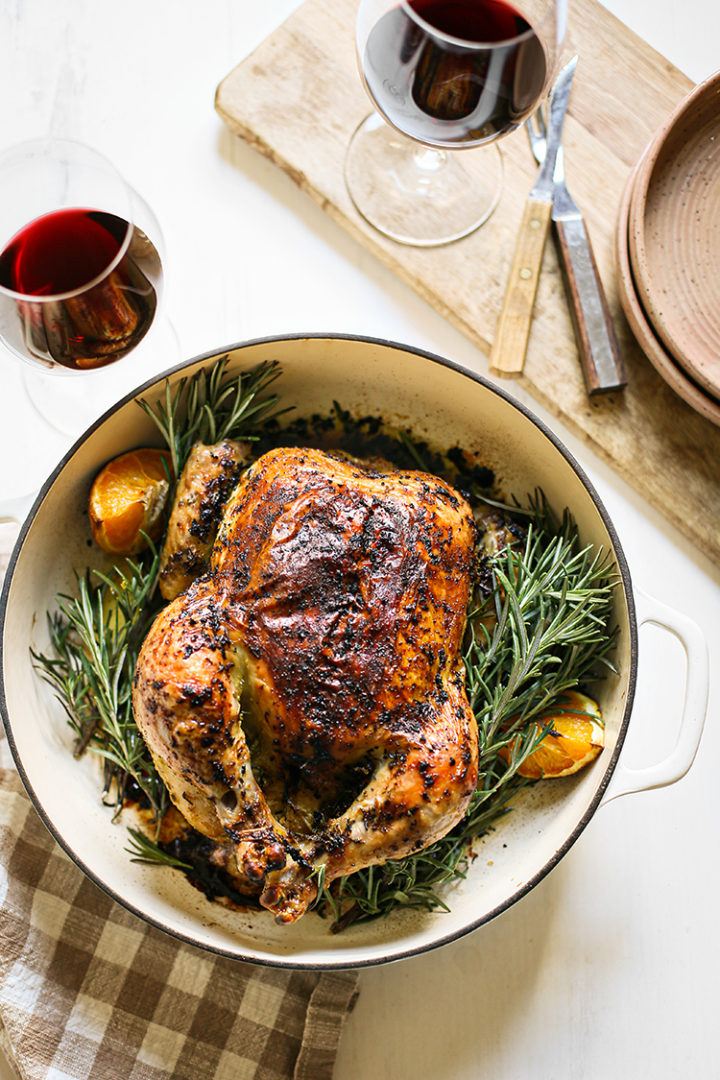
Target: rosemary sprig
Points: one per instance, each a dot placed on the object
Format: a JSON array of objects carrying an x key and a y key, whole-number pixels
[
  {"x": 95, "y": 638},
  {"x": 415, "y": 882},
  {"x": 144, "y": 850},
  {"x": 211, "y": 407}
]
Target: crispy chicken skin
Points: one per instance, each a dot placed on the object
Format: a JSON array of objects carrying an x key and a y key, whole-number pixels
[
  {"x": 305, "y": 697},
  {"x": 209, "y": 476}
]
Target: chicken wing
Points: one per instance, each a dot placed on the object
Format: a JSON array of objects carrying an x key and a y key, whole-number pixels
[{"x": 209, "y": 476}]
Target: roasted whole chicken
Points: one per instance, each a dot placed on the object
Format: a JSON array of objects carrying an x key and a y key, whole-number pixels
[{"x": 303, "y": 698}]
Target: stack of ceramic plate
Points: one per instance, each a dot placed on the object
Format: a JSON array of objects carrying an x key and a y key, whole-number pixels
[{"x": 668, "y": 249}]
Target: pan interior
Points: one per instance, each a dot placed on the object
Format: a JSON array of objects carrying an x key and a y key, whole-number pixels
[{"x": 439, "y": 402}]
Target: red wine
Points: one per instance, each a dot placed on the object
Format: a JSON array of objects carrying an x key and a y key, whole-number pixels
[
  {"x": 78, "y": 306},
  {"x": 469, "y": 71}
]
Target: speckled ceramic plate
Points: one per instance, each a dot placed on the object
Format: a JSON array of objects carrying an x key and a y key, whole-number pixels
[
  {"x": 663, "y": 362},
  {"x": 674, "y": 234},
  {"x": 444, "y": 403}
]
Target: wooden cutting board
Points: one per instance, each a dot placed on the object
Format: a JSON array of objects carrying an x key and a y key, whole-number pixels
[{"x": 298, "y": 98}]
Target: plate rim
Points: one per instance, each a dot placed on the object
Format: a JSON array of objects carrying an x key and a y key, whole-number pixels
[
  {"x": 672, "y": 374},
  {"x": 644, "y": 284}
]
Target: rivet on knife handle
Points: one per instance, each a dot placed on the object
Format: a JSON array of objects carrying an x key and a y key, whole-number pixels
[
  {"x": 599, "y": 353},
  {"x": 507, "y": 356}
]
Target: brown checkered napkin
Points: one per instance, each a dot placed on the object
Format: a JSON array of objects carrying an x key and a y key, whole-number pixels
[{"x": 90, "y": 992}]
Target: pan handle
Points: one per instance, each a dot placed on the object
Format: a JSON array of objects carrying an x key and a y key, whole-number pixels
[{"x": 676, "y": 765}]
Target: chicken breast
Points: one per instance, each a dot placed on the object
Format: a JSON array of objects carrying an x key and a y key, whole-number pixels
[{"x": 305, "y": 697}]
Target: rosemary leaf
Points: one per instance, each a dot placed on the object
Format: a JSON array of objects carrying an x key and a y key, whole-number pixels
[{"x": 143, "y": 850}]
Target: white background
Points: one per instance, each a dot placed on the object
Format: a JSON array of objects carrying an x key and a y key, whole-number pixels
[{"x": 609, "y": 967}]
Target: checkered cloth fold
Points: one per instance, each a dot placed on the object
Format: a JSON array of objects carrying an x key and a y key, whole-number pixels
[{"x": 90, "y": 992}]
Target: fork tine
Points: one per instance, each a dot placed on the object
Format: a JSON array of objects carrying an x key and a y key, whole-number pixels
[
  {"x": 537, "y": 134},
  {"x": 538, "y": 120}
]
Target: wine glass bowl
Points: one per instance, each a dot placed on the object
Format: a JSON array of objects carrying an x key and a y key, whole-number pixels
[
  {"x": 454, "y": 74},
  {"x": 81, "y": 274},
  {"x": 444, "y": 75},
  {"x": 79, "y": 280},
  {"x": 98, "y": 319}
]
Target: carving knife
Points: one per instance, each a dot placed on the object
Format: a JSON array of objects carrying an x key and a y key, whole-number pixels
[
  {"x": 507, "y": 356},
  {"x": 594, "y": 332}
]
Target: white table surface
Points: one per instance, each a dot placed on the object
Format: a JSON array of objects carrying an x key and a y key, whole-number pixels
[{"x": 609, "y": 967}]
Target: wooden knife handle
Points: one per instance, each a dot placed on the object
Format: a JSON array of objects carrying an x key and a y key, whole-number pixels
[
  {"x": 599, "y": 353},
  {"x": 507, "y": 356}
]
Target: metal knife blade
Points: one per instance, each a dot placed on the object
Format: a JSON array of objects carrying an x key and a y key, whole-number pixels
[{"x": 507, "y": 356}]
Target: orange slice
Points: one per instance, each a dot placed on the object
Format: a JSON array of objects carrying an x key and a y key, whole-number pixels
[
  {"x": 127, "y": 499},
  {"x": 575, "y": 736}
]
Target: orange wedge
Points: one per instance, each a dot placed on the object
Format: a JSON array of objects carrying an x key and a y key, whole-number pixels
[
  {"x": 575, "y": 736},
  {"x": 128, "y": 498}
]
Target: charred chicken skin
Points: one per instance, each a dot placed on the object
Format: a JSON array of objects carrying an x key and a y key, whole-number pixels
[
  {"x": 209, "y": 476},
  {"x": 304, "y": 698}
]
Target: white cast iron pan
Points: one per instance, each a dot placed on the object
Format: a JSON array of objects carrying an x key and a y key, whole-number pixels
[{"x": 450, "y": 406}]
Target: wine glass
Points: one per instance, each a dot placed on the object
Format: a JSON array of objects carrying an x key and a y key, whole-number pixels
[
  {"x": 446, "y": 75},
  {"x": 80, "y": 280}
]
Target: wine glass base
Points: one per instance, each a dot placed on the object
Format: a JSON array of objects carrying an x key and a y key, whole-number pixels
[
  {"x": 70, "y": 402},
  {"x": 416, "y": 194}
]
